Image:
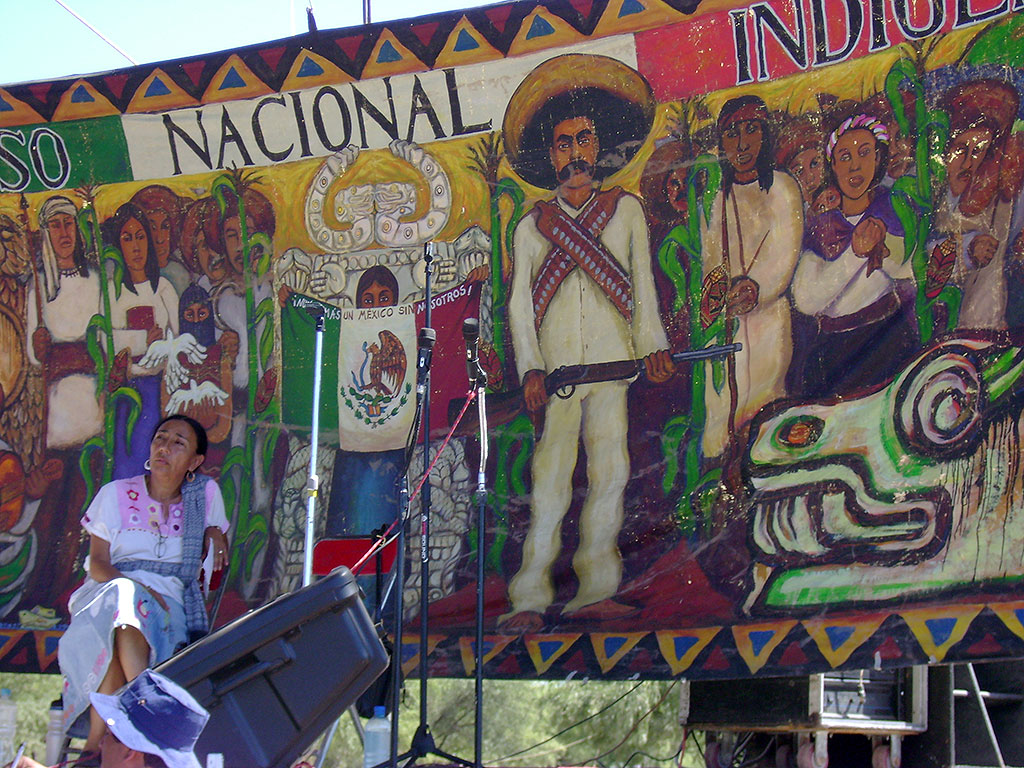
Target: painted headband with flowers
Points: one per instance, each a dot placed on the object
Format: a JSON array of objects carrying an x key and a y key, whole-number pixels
[{"x": 863, "y": 122}]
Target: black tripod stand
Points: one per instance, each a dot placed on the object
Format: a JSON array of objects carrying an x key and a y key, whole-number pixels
[{"x": 423, "y": 740}]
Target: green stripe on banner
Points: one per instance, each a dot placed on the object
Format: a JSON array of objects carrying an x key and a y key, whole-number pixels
[
  {"x": 298, "y": 342},
  {"x": 35, "y": 158}
]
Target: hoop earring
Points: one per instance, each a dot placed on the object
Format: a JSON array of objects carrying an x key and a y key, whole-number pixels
[
  {"x": 146, "y": 465},
  {"x": 190, "y": 476}
]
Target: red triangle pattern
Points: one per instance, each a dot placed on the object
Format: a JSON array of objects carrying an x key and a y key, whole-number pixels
[
  {"x": 40, "y": 90},
  {"x": 193, "y": 69},
  {"x": 272, "y": 56},
  {"x": 498, "y": 16},
  {"x": 584, "y": 7},
  {"x": 350, "y": 45},
  {"x": 425, "y": 32},
  {"x": 793, "y": 656},
  {"x": 116, "y": 84},
  {"x": 716, "y": 659},
  {"x": 889, "y": 649}
]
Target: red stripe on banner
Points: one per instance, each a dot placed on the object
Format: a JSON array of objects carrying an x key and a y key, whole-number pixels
[{"x": 773, "y": 39}]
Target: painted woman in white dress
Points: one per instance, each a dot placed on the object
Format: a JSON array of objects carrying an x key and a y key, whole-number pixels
[{"x": 144, "y": 313}]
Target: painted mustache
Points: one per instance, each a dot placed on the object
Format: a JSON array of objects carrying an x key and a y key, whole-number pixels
[{"x": 575, "y": 166}]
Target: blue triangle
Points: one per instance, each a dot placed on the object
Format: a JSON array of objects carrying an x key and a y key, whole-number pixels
[
  {"x": 1019, "y": 613},
  {"x": 683, "y": 645},
  {"x": 409, "y": 650},
  {"x": 310, "y": 68},
  {"x": 488, "y": 646},
  {"x": 232, "y": 80},
  {"x": 465, "y": 42},
  {"x": 759, "y": 639},
  {"x": 549, "y": 648},
  {"x": 388, "y": 53},
  {"x": 838, "y": 635},
  {"x": 539, "y": 28},
  {"x": 4, "y": 106},
  {"x": 157, "y": 88},
  {"x": 81, "y": 96},
  {"x": 612, "y": 645},
  {"x": 629, "y": 7},
  {"x": 941, "y": 629},
  {"x": 50, "y": 644}
]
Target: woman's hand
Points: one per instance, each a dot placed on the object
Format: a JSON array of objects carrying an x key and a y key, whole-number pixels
[
  {"x": 102, "y": 571},
  {"x": 214, "y": 537}
]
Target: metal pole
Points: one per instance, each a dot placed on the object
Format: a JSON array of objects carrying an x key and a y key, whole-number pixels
[
  {"x": 428, "y": 260},
  {"x": 984, "y": 715},
  {"x": 481, "y": 505},
  {"x": 313, "y": 481}
]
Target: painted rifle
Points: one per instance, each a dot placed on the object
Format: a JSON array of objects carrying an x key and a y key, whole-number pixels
[{"x": 502, "y": 407}]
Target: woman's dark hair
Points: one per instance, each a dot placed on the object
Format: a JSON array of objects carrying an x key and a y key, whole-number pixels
[
  {"x": 765, "y": 163},
  {"x": 202, "y": 442},
  {"x": 380, "y": 275},
  {"x": 112, "y": 228}
]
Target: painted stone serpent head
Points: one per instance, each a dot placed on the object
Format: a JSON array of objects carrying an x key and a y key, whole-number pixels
[{"x": 913, "y": 487}]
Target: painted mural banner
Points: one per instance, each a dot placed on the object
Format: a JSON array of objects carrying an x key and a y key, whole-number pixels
[{"x": 823, "y": 200}]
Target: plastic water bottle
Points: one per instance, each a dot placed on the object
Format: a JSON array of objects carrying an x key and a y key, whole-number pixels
[
  {"x": 8, "y": 725},
  {"x": 54, "y": 733},
  {"x": 377, "y": 738}
]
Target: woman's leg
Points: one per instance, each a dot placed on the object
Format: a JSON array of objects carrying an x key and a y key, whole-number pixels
[{"x": 130, "y": 658}]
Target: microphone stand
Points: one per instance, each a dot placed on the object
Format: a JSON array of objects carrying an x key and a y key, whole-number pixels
[
  {"x": 422, "y": 741},
  {"x": 478, "y": 380},
  {"x": 313, "y": 480}
]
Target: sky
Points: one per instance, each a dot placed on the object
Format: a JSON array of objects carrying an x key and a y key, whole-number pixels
[{"x": 40, "y": 40}]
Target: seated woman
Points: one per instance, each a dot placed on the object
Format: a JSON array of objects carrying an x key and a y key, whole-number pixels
[{"x": 141, "y": 600}]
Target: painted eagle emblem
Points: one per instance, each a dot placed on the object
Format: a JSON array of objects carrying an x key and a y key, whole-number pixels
[{"x": 387, "y": 363}]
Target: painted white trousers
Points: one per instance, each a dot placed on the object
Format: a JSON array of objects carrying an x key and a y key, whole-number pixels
[{"x": 599, "y": 410}]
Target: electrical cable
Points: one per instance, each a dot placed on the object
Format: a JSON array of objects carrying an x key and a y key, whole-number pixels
[
  {"x": 569, "y": 728},
  {"x": 384, "y": 541},
  {"x": 649, "y": 756},
  {"x": 96, "y": 32},
  {"x": 633, "y": 728},
  {"x": 746, "y": 762}
]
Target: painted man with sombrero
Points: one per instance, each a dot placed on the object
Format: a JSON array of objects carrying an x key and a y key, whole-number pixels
[{"x": 582, "y": 293}]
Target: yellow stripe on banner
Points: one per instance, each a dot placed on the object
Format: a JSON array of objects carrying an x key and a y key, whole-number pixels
[
  {"x": 1012, "y": 615},
  {"x": 610, "y": 647},
  {"x": 837, "y": 639},
  {"x": 755, "y": 642},
  {"x": 234, "y": 80},
  {"x": 311, "y": 70},
  {"x": 46, "y": 647},
  {"x": 541, "y": 30},
  {"x": 681, "y": 647},
  {"x": 411, "y": 650},
  {"x": 390, "y": 57},
  {"x": 159, "y": 92},
  {"x": 465, "y": 45},
  {"x": 545, "y": 650},
  {"x": 493, "y": 645},
  {"x": 10, "y": 638},
  {"x": 939, "y": 629},
  {"x": 623, "y": 16},
  {"x": 82, "y": 101},
  {"x": 16, "y": 112}
]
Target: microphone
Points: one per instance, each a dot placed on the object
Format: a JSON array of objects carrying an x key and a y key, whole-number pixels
[
  {"x": 471, "y": 334},
  {"x": 424, "y": 351}
]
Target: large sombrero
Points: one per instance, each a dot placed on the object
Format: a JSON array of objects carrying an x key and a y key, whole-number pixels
[{"x": 618, "y": 100}]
